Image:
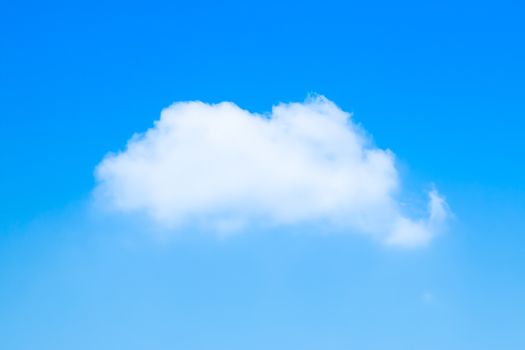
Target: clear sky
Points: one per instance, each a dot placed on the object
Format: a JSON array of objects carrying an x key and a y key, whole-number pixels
[{"x": 439, "y": 83}]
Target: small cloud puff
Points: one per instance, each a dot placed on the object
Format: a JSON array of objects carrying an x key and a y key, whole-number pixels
[{"x": 228, "y": 168}]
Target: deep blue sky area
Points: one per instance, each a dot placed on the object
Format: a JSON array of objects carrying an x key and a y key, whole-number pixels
[{"x": 440, "y": 83}]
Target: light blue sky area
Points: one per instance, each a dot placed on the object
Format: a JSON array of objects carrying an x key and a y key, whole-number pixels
[{"x": 439, "y": 83}]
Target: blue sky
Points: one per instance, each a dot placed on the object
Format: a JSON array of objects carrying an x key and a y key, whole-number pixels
[{"x": 438, "y": 83}]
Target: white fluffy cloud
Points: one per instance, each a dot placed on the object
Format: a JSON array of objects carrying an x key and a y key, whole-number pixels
[{"x": 228, "y": 168}]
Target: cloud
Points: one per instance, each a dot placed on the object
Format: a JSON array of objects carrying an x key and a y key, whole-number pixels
[
  {"x": 228, "y": 169},
  {"x": 427, "y": 297}
]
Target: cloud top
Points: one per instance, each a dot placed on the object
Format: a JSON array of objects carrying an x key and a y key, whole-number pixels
[{"x": 228, "y": 168}]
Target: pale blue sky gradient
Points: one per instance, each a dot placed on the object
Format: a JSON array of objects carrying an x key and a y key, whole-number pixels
[{"x": 441, "y": 83}]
